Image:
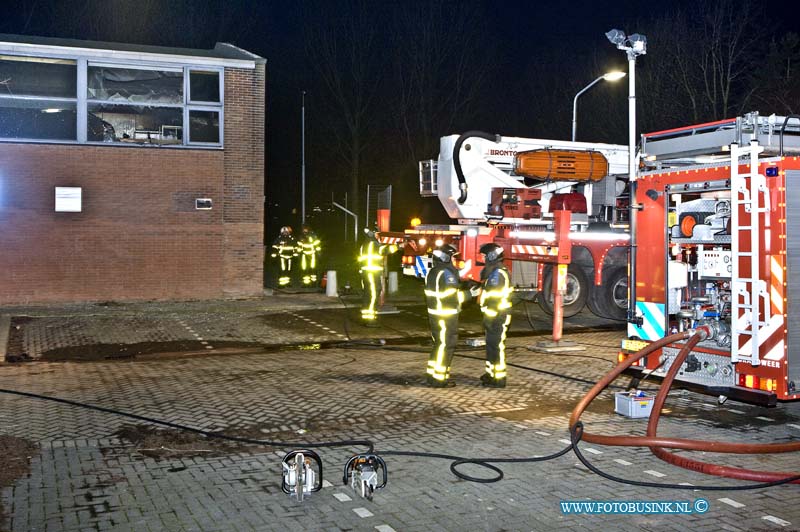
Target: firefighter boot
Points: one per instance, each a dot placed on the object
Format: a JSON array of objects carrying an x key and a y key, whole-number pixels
[
  {"x": 434, "y": 383},
  {"x": 487, "y": 380}
]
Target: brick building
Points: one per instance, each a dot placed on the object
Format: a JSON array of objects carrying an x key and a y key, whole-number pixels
[{"x": 129, "y": 172}]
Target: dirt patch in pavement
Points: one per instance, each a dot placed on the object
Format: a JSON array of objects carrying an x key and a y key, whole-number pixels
[
  {"x": 88, "y": 353},
  {"x": 15, "y": 348},
  {"x": 173, "y": 443},
  {"x": 15, "y": 463},
  {"x": 545, "y": 408}
]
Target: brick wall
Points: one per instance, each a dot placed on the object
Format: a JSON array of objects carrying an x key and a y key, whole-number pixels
[
  {"x": 244, "y": 180},
  {"x": 139, "y": 235}
]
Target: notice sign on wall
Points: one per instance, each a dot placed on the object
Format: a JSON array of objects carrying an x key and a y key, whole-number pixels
[{"x": 68, "y": 199}]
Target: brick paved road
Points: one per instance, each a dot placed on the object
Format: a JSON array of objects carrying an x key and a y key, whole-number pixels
[
  {"x": 168, "y": 327},
  {"x": 86, "y": 478}
]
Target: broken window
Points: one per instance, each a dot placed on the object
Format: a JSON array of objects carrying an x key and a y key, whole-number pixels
[
  {"x": 131, "y": 85},
  {"x": 38, "y": 98},
  {"x": 142, "y": 124},
  {"x": 131, "y": 108},
  {"x": 123, "y": 103}
]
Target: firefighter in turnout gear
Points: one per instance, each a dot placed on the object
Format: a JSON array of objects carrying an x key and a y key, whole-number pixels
[
  {"x": 371, "y": 260},
  {"x": 284, "y": 249},
  {"x": 495, "y": 303},
  {"x": 444, "y": 298},
  {"x": 309, "y": 248}
]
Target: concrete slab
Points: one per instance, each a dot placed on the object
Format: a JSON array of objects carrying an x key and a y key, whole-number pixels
[{"x": 563, "y": 346}]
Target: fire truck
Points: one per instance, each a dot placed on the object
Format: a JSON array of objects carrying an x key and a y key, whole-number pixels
[
  {"x": 507, "y": 190},
  {"x": 717, "y": 244}
]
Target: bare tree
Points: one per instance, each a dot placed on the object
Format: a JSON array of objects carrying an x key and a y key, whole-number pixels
[
  {"x": 701, "y": 60},
  {"x": 779, "y": 90},
  {"x": 341, "y": 43},
  {"x": 443, "y": 61}
]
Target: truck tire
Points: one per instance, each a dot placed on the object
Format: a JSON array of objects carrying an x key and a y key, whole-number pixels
[
  {"x": 595, "y": 299},
  {"x": 610, "y": 299},
  {"x": 577, "y": 291}
]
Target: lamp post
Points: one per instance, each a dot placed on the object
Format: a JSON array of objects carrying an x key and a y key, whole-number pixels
[
  {"x": 609, "y": 76},
  {"x": 634, "y": 46},
  {"x": 303, "y": 160}
]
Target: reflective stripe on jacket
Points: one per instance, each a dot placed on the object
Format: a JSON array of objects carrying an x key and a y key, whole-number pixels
[
  {"x": 496, "y": 293},
  {"x": 442, "y": 291},
  {"x": 284, "y": 248},
  {"x": 371, "y": 255}
]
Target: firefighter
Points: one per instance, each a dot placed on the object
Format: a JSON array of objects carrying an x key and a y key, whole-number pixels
[
  {"x": 371, "y": 260},
  {"x": 309, "y": 248},
  {"x": 285, "y": 250},
  {"x": 444, "y": 298},
  {"x": 495, "y": 303}
]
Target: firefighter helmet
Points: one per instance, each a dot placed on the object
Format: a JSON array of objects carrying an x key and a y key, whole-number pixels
[
  {"x": 492, "y": 252},
  {"x": 444, "y": 253},
  {"x": 286, "y": 230}
]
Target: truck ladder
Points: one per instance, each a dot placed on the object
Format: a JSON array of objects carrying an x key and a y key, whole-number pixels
[{"x": 750, "y": 297}]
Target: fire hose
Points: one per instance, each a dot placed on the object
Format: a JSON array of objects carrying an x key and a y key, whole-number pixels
[{"x": 658, "y": 444}]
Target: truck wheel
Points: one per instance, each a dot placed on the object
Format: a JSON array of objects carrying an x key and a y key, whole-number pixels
[
  {"x": 610, "y": 299},
  {"x": 595, "y": 299},
  {"x": 577, "y": 291},
  {"x": 688, "y": 220}
]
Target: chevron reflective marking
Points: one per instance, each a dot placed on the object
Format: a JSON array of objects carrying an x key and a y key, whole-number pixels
[
  {"x": 776, "y": 285},
  {"x": 764, "y": 333},
  {"x": 776, "y": 353},
  {"x": 524, "y": 249},
  {"x": 652, "y": 327},
  {"x": 420, "y": 266}
]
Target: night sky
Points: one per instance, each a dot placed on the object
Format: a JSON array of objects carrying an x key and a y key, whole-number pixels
[{"x": 530, "y": 56}]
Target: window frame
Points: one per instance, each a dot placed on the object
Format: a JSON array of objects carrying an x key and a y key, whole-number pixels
[
  {"x": 82, "y": 100},
  {"x": 187, "y": 131},
  {"x": 5, "y": 96},
  {"x": 192, "y": 105},
  {"x": 188, "y": 85}
]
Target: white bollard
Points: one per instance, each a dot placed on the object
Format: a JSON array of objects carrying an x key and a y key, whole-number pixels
[
  {"x": 393, "y": 282},
  {"x": 330, "y": 286}
]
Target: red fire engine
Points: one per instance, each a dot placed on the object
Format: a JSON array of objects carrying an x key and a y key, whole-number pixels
[{"x": 717, "y": 244}]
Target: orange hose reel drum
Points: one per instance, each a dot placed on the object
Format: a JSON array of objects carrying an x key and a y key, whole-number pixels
[
  {"x": 687, "y": 226},
  {"x": 561, "y": 165}
]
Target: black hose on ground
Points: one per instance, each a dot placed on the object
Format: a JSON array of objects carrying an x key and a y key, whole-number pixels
[{"x": 186, "y": 428}]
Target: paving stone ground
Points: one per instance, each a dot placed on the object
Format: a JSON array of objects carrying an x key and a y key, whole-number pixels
[{"x": 88, "y": 478}]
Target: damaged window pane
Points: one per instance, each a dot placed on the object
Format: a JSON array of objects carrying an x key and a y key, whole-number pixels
[
  {"x": 203, "y": 86},
  {"x": 32, "y": 76},
  {"x": 122, "y": 103},
  {"x": 129, "y": 85},
  {"x": 204, "y": 126},
  {"x": 135, "y": 124},
  {"x": 37, "y": 119}
]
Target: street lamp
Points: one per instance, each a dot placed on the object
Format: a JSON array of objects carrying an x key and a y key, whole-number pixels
[
  {"x": 634, "y": 46},
  {"x": 303, "y": 159},
  {"x": 609, "y": 76}
]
